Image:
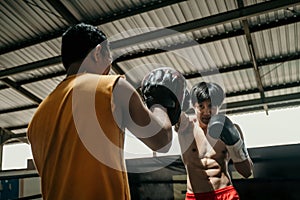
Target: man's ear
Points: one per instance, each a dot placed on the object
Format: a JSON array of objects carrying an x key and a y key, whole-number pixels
[{"x": 97, "y": 53}]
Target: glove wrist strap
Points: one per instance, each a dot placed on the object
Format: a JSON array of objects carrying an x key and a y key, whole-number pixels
[{"x": 238, "y": 151}]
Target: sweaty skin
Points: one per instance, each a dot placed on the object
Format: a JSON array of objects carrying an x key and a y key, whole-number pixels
[{"x": 205, "y": 158}]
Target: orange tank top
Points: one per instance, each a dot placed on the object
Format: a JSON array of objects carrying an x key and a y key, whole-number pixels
[{"x": 76, "y": 144}]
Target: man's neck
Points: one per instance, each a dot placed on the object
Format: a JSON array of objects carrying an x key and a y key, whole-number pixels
[{"x": 74, "y": 68}]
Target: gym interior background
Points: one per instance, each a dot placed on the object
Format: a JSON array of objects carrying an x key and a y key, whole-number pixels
[{"x": 250, "y": 47}]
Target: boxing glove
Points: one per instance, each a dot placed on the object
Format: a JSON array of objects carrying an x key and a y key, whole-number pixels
[
  {"x": 221, "y": 127},
  {"x": 186, "y": 103},
  {"x": 167, "y": 87}
]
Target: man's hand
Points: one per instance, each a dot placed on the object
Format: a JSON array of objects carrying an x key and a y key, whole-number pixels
[
  {"x": 167, "y": 87},
  {"x": 221, "y": 127}
]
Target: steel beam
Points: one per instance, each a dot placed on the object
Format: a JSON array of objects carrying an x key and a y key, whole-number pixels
[
  {"x": 221, "y": 18},
  {"x": 152, "y": 5}
]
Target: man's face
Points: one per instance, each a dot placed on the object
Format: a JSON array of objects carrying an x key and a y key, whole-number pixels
[
  {"x": 106, "y": 59},
  {"x": 98, "y": 61},
  {"x": 204, "y": 111}
]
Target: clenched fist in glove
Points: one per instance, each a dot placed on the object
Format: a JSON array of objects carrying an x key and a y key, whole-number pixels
[
  {"x": 221, "y": 127},
  {"x": 167, "y": 87}
]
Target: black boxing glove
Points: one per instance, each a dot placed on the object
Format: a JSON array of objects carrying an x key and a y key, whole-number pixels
[
  {"x": 165, "y": 86},
  {"x": 221, "y": 127}
]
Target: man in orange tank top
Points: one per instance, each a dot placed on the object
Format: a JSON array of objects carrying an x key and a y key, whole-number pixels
[{"x": 77, "y": 132}]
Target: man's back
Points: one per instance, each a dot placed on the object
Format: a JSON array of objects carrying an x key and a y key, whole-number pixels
[{"x": 69, "y": 167}]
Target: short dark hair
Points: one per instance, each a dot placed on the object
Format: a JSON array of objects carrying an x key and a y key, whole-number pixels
[
  {"x": 78, "y": 41},
  {"x": 203, "y": 91}
]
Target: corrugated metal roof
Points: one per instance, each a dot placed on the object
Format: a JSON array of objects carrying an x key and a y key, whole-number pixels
[
  {"x": 24, "y": 20},
  {"x": 205, "y": 40},
  {"x": 11, "y": 99},
  {"x": 48, "y": 85}
]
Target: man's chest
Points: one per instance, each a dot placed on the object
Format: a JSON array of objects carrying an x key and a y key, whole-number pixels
[{"x": 196, "y": 145}]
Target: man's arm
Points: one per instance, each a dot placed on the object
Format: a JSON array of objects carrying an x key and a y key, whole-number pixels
[
  {"x": 245, "y": 168},
  {"x": 151, "y": 126},
  {"x": 221, "y": 127}
]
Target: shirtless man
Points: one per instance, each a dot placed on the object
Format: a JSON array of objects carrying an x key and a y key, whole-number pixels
[{"x": 206, "y": 148}]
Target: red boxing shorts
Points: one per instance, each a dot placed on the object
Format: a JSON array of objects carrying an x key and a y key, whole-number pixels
[{"x": 226, "y": 193}]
